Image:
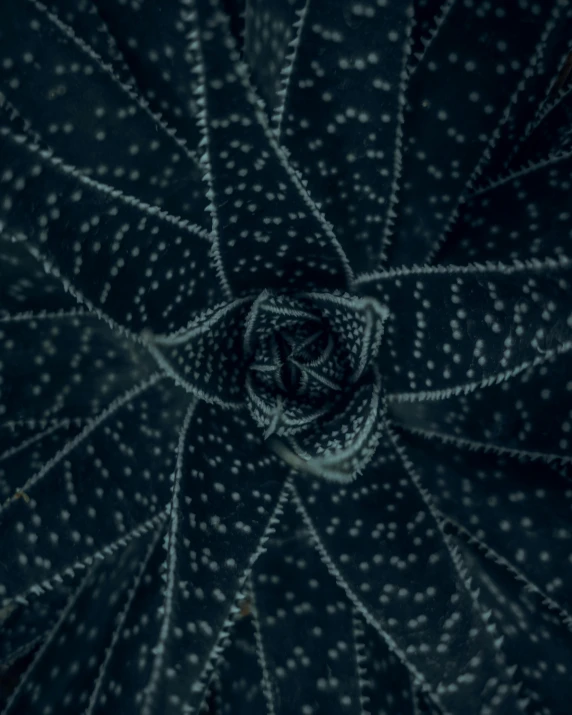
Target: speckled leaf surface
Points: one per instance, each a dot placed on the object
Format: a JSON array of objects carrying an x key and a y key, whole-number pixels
[
  {"x": 25, "y": 286},
  {"x": 462, "y": 328},
  {"x": 339, "y": 114},
  {"x": 90, "y": 614},
  {"x": 378, "y": 667},
  {"x": 239, "y": 679},
  {"x": 149, "y": 251},
  {"x": 448, "y": 132},
  {"x": 521, "y": 216},
  {"x": 521, "y": 512},
  {"x": 26, "y": 446},
  {"x": 250, "y": 182},
  {"x": 306, "y": 665},
  {"x": 533, "y": 635},
  {"x": 285, "y": 328},
  {"x": 99, "y": 472},
  {"x": 42, "y": 386},
  {"x": 534, "y": 424},
  {"x": 204, "y": 546},
  {"x": 23, "y": 627},
  {"x": 128, "y": 659},
  {"x": 205, "y": 357},
  {"x": 269, "y": 30},
  {"x": 540, "y": 83},
  {"x": 375, "y": 537},
  {"x": 76, "y": 120},
  {"x": 159, "y": 61}
]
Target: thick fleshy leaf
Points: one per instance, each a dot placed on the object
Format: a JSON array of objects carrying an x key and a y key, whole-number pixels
[
  {"x": 380, "y": 538},
  {"x": 106, "y": 486},
  {"x": 88, "y": 117},
  {"x": 269, "y": 28},
  {"x": 26, "y": 446},
  {"x": 225, "y": 496},
  {"x": 269, "y": 231},
  {"x": 521, "y": 512},
  {"x": 143, "y": 113},
  {"x": 340, "y": 447},
  {"x": 239, "y": 679},
  {"x": 158, "y": 268},
  {"x": 83, "y": 18},
  {"x": 26, "y": 626},
  {"x": 58, "y": 366},
  {"x": 359, "y": 324},
  {"x": 524, "y": 215},
  {"x": 531, "y": 417},
  {"x": 305, "y": 628},
  {"x": 386, "y": 684},
  {"x": 427, "y": 15},
  {"x": 454, "y": 329},
  {"x": 552, "y": 135},
  {"x": 64, "y": 671},
  {"x": 25, "y": 285},
  {"x": 10, "y": 676},
  {"x": 456, "y": 99},
  {"x": 339, "y": 115},
  {"x": 535, "y": 90},
  {"x": 272, "y": 312},
  {"x": 57, "y": 372},
  {"x": 159, "y": 59},
  {"x": 534, "y": 639},
  {"x": 311, "y": 380},
  {"x": 121, "y": 674},
  {"x": 206, "y": 358}
]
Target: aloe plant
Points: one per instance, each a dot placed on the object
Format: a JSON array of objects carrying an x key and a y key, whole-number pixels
[{"x": 285, "y": 321}]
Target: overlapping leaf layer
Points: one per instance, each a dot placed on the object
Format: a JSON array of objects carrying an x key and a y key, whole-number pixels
[{"x": 285, "y": 334}]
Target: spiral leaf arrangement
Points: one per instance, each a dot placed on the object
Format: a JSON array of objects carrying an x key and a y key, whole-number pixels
[{"x": 285, "y": 333}]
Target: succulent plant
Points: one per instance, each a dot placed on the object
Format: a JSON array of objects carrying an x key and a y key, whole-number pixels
[{"x": 285, "y": 332}]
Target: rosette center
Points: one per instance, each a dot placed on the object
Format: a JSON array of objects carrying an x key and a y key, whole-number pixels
[{"x": 311, "y": 372}]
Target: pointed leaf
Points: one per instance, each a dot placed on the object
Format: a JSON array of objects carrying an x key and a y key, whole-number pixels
[
  {"x": 157, "y": 53},
  {"x": 62, "y": 672},
  {"x": 85, "y": 21},
  {"x": 340, "y": 115},
  {"x": 340, "y": 447},
  {"x": 358, "y": 322},
  {"x": 63, "y": 366},
  {"x": 270, "y": 232},
  {"x": 534, "y": 92},
  {"x": 157, "y": 268},
  {"x": 452, "y": 330},
  {"x": 26, "y": 446},
  {"x": 226, "y": 494},
  {"x": 427, "y": 16},
  {"x": 531, "y": 417},
  {"x": 269, "y": 28},
  {"x": 239, "y": 678},
  {"x": 535, "y": 638},
  {"x": 381, "y": 540},
  {"x": 206, "y": 357},
  {"x": 521, "y": 512},
  {"x": 26, "y": 626},
  {"x": 88, "y": 117},
  {"x": 25, "y": 285},
  {"x": 121, "y": 674},
  {"x": 385, "y": 681},
  {"x": 305, "y": 628},
  {"x": 518, "y": 217},
  {"x": 457, "y": 97},
  {"x": 92, "y": 495}
]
